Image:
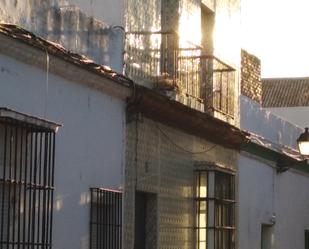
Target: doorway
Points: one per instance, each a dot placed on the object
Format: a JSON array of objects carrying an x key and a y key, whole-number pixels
[
  {"x": 267, "y": 240},
  {"x": 145, "y": 231}
]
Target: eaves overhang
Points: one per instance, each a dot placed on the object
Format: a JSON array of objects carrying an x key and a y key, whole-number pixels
[
  {"x": 35, "y": 123},
  {"x": 282, "y": 156},
  {"x": 18, "y": 33},
  {"x": 51, "y": 57},
  {"x": 160, "y": 108}
]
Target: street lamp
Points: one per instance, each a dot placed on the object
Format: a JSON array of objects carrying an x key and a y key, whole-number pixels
[
  {"x": 303, "y": 143},
  {"x": 284, "y": 163}
]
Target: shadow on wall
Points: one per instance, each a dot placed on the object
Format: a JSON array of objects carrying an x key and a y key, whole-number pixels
[{"x": 67, "y": 25}]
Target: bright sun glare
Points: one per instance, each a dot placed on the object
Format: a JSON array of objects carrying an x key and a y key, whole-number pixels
[{"x": 276, "y": 31}]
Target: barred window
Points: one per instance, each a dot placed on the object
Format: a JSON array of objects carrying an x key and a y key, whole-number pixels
[
  {"x": 224, "y": 211},
  {"x": 26, "y": 183},
  {"x": 215, "y": 210},
  {"x": 105, "y": 219}
]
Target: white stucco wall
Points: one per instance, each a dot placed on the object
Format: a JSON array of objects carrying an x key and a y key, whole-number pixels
[
  {"x": 292, "y": 202},
  {"x": 298, "y": 115},
  {"x": 256, "y": 203},
  {"x": 109, "y": 11},
  {"x": 255, "y": 119},
  {"x": 89, "y": 146},
  {"x": 262, "y": 194},
  {"x": 71, "y": 24}
]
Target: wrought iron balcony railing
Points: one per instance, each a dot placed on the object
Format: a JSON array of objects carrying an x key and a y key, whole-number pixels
[{"x": 156, "y": 59}]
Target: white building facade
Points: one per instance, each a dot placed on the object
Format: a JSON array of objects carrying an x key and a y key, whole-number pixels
[
  {"x": 157, "y": 159},
  {"x": 272, "y": 203},
  {"x": 89, "y": 145}
]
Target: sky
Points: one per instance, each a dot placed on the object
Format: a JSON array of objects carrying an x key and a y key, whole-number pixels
[{"x": 277, "y": 31}]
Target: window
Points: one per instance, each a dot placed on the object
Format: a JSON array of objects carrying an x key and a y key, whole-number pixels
[
  {"x": 306, "y": 239},
  {"x": 218, "y": 78},
  {"x": 26, "y": 181},
  {"x": 145, "y": 222},
  {"x": 266, "y": 236},
  {"x": 105, "y": 219},
  {"x": 207, "y": 28},
  {"x": 202, "y": 209},
  {"x": 215, "y": 214}
]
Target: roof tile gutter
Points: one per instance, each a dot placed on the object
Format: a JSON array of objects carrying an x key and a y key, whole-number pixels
[{"x": 160, "y": 108}]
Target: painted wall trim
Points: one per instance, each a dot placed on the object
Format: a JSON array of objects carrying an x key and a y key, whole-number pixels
[{"x": 6, "y": 113}]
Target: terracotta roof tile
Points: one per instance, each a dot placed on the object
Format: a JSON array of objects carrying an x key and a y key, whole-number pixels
[{"x": 285, "y": 92}]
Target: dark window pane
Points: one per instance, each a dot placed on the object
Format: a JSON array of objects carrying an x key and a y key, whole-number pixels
[
  {"x": 26, "y": 185},
  {"x": 307, "y": 239},
  {"x": 105, "y": 219},
  {"x": 224, "y": 211}
]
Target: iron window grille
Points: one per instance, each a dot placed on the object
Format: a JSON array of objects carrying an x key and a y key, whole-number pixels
[
  {"x": 27, "y": 157},
  {"x": 105, "y": 219},
  {"x": 215, "y": 210},
  {"x": 158, "y": 59}
]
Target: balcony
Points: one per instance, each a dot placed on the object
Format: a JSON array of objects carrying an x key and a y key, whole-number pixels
[{"x": 203, "y": 82}]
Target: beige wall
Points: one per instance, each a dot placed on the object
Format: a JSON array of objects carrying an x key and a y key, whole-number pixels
[
  {"x": 227, "y": 42},
  {"x": 154, "y": 164},
  {"x": 184, "y": 16},
  {"x": 143, "y": 15}
]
